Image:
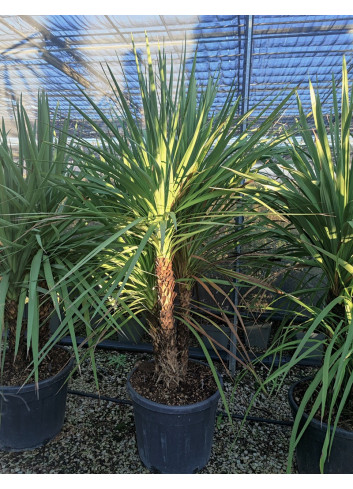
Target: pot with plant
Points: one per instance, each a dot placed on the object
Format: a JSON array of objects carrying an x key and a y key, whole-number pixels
[
  {"x": 313, "y": 196},
  {"x": 160, "y": 180},
  {"x": 39, "y": 237}
]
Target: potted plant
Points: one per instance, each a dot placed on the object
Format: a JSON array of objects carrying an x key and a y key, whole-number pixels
[
  {"x": 313, "y": 196},
  {"x": 40, "y": 237},
  {"x": 159, "y": 178}
]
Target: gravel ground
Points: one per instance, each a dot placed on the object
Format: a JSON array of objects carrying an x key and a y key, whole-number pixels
[{"x": 98, "y": 437}]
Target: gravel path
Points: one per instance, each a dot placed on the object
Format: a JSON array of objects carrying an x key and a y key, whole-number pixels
[{"x": 98, "y": 436}]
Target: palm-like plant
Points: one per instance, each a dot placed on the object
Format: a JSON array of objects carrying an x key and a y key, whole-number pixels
[
  {"x": 161, "y": 183},
  {"x": 312, "y": 192},
  {"x": 41, "y": 234}
]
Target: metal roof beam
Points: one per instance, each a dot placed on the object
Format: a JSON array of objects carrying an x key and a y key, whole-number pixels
[
  {"x": 300, "y": 20},
  {"x": 302, "y": 54},
  {"x": 262, "y": 35},
  {"x": 117, "y": 29},
  {"x": 247, "y": 66},
  {"x": 305, "y": 30},
  {"x": 239, "y": 220}
]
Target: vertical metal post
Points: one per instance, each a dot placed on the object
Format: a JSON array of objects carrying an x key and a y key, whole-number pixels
[{"x": 244, "y": 109}]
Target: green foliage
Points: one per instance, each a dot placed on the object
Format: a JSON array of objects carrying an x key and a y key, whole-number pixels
[
  {"x": 311, "y": 191},
  {"x": 118, "y": 361},
  {"x": 42, "y": 233},
  {"x": 161, "y": 179}
]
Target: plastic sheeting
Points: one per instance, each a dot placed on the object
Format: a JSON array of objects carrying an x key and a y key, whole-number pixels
[{"x": 63, "y": 54}]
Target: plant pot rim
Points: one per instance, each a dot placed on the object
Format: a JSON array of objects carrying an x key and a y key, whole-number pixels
[
  {"x": 166, "y": 408},
  {"x": 316, "y": 423},
  {"x": 42, "y": 383}
]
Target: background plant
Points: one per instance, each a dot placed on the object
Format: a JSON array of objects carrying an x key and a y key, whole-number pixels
[
  {"x": 311, "y": 189},
  {"x": 41, "y": 235}
]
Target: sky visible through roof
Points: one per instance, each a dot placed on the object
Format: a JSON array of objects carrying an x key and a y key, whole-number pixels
[{"x": 63, "y": 53}]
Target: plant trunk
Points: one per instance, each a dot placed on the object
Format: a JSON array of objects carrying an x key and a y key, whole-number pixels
[
  {"x": 183, "y": 332},
  {"x": 164, "y": 335}
]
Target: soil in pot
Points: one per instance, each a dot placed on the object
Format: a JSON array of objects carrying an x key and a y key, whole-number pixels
[
  {"x": 198, "y": 385},
  {"x": 31, "y": 415},
  {"x": 14, "y": 374},
  {"x": 309, "y": 448}
]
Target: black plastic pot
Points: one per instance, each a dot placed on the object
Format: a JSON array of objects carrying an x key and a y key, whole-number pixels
[
  {"x": 28, "y": 421},
  {"x": 308, "y": 450},
  {"x": 174, "y": 439},
  {"x": 131, "y": 332},
  {"x": 257, "y": 335},
  {"x": 220, "y": 334}
]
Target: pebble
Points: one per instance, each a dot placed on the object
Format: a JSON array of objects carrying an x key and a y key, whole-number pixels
[{"x": 98, "y": 436}]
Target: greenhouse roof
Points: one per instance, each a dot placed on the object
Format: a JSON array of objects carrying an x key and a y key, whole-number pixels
[{"x": 264, "y": 53}]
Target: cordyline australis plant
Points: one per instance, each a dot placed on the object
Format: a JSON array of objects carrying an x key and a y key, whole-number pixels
[
  {"x": 312, "y": 192},
  {"x": 40, "y": 235},
  {"x": 159, "y": 180}
]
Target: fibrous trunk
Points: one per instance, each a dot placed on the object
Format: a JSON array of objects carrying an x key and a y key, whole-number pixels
[
  {"x": 183, "y": 331},
  {"x": 164, "y": 335}
]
